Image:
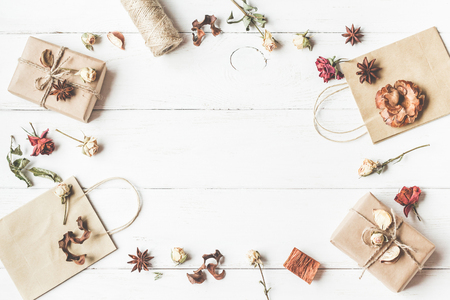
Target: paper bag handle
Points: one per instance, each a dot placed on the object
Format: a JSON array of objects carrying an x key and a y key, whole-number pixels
[
  {"x": 120, "y": 228},
  {"x": 317, "y": 124}
]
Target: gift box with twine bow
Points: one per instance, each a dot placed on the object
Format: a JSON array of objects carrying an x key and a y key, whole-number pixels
[{"x": 35, "y": 82}]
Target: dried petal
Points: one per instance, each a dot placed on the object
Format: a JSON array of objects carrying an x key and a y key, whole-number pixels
[
  {"x": 117, "y": 39},
  {"x": 212, "y": 269},
  {"x": 47, "y": 58},
  {"x": 197, "y": 26},
  {"x": 391, "y": 256},
  {"x": 70, "y": 237},
  {"x": 382, "y": 218},
  {"x": 197, "y": 278}
]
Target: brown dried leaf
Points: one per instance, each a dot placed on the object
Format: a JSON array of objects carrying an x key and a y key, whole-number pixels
[
  {"x": 212, "y": 269},
  {"x": 196, "y": 26},
  {"x": 47, "y": 58},
  {"x": 70, "y": 237},
  {"x": 199, "y": 276},
  {"x": 117, "y": 39}
]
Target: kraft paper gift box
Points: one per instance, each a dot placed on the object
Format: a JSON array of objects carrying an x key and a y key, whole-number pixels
[
  {"x": 421, "y": 58},
  {"x": 29, "y": 68},
  {"x": 347, "y": 238}
]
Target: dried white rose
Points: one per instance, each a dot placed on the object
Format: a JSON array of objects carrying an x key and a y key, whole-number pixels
[
  {"x": 89, "y": 147},
  {"x": 269, "y": 42},
  {"x": 178, "y": 255},
  {"x": 254, "y": 257},
  {"x": 367, "y": 168},
  {"x": 377, "y": 239},
  {"x": 87, "y": 74},
  {"x": 62, "y": 190}
]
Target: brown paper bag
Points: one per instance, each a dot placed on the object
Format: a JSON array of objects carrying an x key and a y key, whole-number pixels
[
  {"x": 422, "y": 59},
  {"x": 29, "y": 239},
  {"x": 347, "y": 238}
]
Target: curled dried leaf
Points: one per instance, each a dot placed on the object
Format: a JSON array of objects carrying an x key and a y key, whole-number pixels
[
  {"x": 197, "y": 26},
  {"x": 199, "y": 276},
  {"x": 117, "y": 39},
  {"x": 70, "y": 237},
  {"x": 47, "y": 58},
  {"x": 212, "y": 269}
]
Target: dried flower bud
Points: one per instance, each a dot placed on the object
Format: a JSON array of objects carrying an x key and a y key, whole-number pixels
[
  {"x": 89, "y": 39},
  {"x": 367, "y": 168},
  {"x": 377, "y": 239},
  {"x": 269, "y": 42},
  {"x": 301, "y": 41},
  {"x": 89, "y": 147},
  {"x": 62, "y": 190},
  {"x": 87, "y": 74},
  {"x": 254, "y": 258},
  {"x": 178, "y": 255}
]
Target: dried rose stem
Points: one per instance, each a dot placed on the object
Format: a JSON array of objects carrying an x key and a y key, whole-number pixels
[
  {"x": 33, "y": 129},
  {"x": 401, "y": 155},
  {"x": 266, "y": 292},
  {"x": 245, "y": 13},
  {"x": 417, "y": 214},
  {"x": 69, "y": 136}
]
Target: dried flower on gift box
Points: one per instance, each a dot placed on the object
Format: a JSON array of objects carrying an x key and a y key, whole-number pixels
[
  {"x": 408, "y": 197},
  {"x": 141, "y": 260},
  {"x": 89, "y": 146},
  {"x": 302, "y": 41},
  {"x": 254, "y": 258},
  {"x": 328, "y": 68},
  {"x": 197, "y": 26},
  {"x": 62, "y": 90},
  {"x": 42, "y": 145},
  {"x": 401, "y": 103},
  {"x": 252, "y": 18},
  {"x": 69, "y": 238},
  {"x": 370, "y": 167},
  {"x": 367, "y": 71},
  {"x": 63, "y": 191},
  {"x": 352, "y": 35},
  {"x": 89, "y": 39},
  {"x": 178, "y": 255},
  {"x": 87, "y": 74},
  {"x": 199, "y": 277},
  {"x": 117, "y": 39}
]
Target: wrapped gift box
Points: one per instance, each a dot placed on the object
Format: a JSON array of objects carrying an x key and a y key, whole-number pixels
[
  {"x": 29, "y": 68},
  {"x": 347, "y": 238}
]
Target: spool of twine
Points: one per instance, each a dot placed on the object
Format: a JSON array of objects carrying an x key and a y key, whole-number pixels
[{"x": 154, "y": 25}]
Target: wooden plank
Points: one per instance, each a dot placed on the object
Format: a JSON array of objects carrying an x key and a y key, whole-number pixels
[{"x": 272, "y": 221}]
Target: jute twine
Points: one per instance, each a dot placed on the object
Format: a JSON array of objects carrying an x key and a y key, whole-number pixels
[{"x": 154, "y": 25}]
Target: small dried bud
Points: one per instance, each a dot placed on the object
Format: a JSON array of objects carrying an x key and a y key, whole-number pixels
[
  {"x": 391, "y": 256},
  {"x": 301, "y": 41},
  {"x": 377, "y": 239},
  {"x": 269, "y": 42},
  {"x": 89, "y": 147},
  {"x": 367, "y": 168},
  {"x": 89, "y": 39},
  {"x": 62, "y": 190},
  {"x": 178, "y": 255},
  {"x": 382, "y": 218},
  {"x": 254, "y": 258},
  {"x": 87, "y": 74}
]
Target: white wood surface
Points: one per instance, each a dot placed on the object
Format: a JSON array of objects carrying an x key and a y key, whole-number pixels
[{"x": 226, "y": 159}]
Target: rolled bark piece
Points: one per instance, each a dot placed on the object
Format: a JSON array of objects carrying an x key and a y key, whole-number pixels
[
  {"x": 154, "y": 25},
  {"x": 302, "y": 265}
]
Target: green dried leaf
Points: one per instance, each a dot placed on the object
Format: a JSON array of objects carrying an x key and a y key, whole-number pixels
[
  {"x": 20, "y": 163},
  {"x": 16, "y": 151},
  {"x": 89, "y": 47},
  {"x": 22, "y": 176},
  {"x": 39, "y": 172},
  {"x": 247, "y": 7},
  {"x": 247, "y": 21}
]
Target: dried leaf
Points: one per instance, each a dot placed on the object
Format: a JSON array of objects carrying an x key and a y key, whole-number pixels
[
  {"x": 70, "y": 237},
  {"x": 39, "y": 172},
  {"x": 212, "y": 269},
  {"x": 20, "y": 163},
  {"x": 199, "y": 277},
  {"x": 16, "y": 151},
  {"x": 117, "y": 39},
  {"x": 196, "y": 26},
  {"x": 47, "y": 58}
]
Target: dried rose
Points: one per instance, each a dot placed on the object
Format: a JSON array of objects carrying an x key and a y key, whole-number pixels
[
  {"x": 408, "y": 197},
  {"x": 254, "y": 258},
  {"x": 42, "y": 145},
  {"x": 367, "y": 168},
  {"x": 377, "y": 239},
  {"x": 89, "y": 146},
  {"x": 301, "y": 41},
  {"x": 87, "y": 74},
  {"x": 178, "y": 255},
  {"x": 268, "y": 41},
  {"x": 63, "y": 192},
  {"x": 328, "y": 68},
  {"x": 89, "y": 39}
]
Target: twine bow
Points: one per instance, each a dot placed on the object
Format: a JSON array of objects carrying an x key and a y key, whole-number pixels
[
  {"x": 392, "y": 238},
  {"x": 55, "y": 72}
]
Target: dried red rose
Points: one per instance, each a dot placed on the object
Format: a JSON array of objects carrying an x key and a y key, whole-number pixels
[
  {"x": 42, "y": 145},
  {"x": 408, "y": 197},
  {"x": 328, "y": 68}
]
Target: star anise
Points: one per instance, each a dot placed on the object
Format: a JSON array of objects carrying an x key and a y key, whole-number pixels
[
  {"x": 141, "y": 261},
  {"x": 62, "y": 90},
  {"x": 352, "y": 35},
  {"x": 367, "y": 71}
]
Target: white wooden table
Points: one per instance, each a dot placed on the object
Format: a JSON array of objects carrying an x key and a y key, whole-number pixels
[{"x": 223, "y": 159}]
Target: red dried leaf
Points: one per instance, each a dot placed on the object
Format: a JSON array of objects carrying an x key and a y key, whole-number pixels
[
  {"x": 70, "y": 237},
  {"x": 197, "y": 26}
]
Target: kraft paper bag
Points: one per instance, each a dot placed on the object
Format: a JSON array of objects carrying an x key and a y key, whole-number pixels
[
  {"x": 29, "y": 238},
  {"x": 347, "y": 238},
  {"x": 81, "y": 104},
  {"x": 422, "y": 59}
]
